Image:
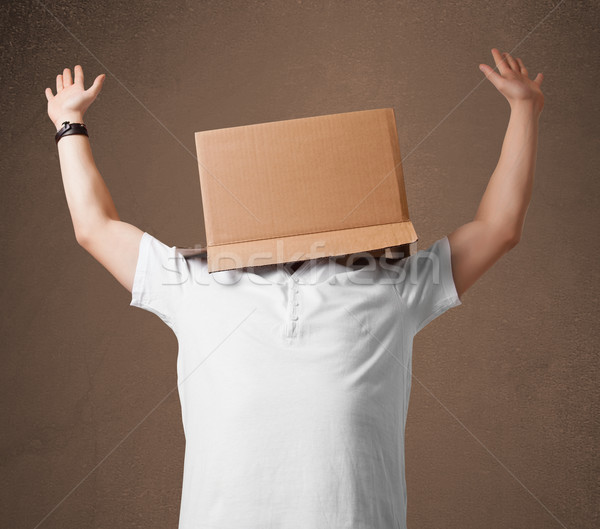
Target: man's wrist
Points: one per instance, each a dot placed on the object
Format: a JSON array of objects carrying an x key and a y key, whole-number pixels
[
  {"x": 76, "y": 117},
  {"x": 526, "y": 107}
]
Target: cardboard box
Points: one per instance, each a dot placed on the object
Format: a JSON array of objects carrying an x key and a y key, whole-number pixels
[{"x": 303, "y": 188}]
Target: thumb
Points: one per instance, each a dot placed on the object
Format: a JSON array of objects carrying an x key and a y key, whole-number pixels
[
  {"x": 97, "y": 86},
  {"x": 494, "y": 77}
]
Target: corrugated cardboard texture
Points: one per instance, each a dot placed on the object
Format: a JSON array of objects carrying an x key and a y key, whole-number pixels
[{"x": 302, "y": 188}]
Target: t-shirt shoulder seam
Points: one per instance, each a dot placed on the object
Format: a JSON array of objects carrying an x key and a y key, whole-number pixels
[
  {"x": 139, "y": 297},
  {"x": 448, "y": 284},
  {"x": 141, "y": 268}
]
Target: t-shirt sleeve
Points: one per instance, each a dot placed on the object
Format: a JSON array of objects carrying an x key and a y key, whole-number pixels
[
  {"x": 160, "y": 278},
  {"x": 425, "y": 284}
]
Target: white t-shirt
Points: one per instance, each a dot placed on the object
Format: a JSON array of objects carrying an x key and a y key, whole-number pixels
[{"x": 294, "y": 388}]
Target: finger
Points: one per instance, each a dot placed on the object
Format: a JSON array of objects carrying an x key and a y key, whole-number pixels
[
  {"x": 67, "y": 79},
  {"x": 501, "y": 64},
  {"x": 539, "y": 78},
  {"x": 522, "y": 66},
  {"x": 514, "y": 66},
  {"x": 48, "y": 93},
  {"x": 97, "y": 85},
  {"x": 494, "y": 77},
  {"x": 78, "y": 75},
  {"x": 59, "y": 83}
]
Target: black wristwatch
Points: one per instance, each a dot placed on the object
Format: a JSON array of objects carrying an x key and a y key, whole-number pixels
[{"x": 69, "y": 128}]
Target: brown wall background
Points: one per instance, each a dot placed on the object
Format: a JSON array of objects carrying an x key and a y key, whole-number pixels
[{"x": 503, "y": 420}]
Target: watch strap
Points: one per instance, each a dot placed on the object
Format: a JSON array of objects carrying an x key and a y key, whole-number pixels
[{"x": 69, "y": 128}]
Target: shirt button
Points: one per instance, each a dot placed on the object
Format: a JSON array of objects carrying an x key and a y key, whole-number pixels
[{"x": 294, "y": 317}]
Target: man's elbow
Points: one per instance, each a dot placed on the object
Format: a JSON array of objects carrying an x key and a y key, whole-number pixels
[
  {"x": 81, "y": 237},
  {"x": 86, "y": 234},
  {"x": 84, "y": 238},
  {"x": 504, "y": 238},
  {"x": 511, "y": 239}
]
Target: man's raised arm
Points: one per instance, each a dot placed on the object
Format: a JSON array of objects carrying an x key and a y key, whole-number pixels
[
  {"x": 498, "y": 223},
  {"x": 98, "y": 229}
]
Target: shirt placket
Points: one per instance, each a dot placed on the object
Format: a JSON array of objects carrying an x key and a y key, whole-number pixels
[{"x": 293, "y": 309}]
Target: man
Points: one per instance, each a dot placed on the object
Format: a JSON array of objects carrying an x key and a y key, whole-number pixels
[{"x": 294, "y": 381}]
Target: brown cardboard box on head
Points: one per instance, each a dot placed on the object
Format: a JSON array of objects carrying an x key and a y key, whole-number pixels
[{"x": 303, "y": 188}]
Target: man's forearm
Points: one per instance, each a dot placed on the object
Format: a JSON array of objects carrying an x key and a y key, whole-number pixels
[
  {"x": 508, "y": 193},
  {"x": 88, "y": 198}
]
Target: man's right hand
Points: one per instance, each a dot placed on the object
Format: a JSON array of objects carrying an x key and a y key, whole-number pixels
[
  {"x": 71, "y": 99},
  {"x": 98, "y": 228}
]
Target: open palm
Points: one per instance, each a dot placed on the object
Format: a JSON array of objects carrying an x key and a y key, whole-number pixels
[
  {"x": 71, "y": 97},
  {"x": 513, "y": 80}
]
